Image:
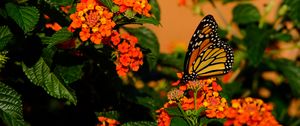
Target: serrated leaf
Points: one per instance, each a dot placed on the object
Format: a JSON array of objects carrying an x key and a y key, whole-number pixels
[
  {"x": 245, "y": 13},
  {"x": 10, "y": 106},
  {"x": 5, "y": 36},
  {"x": 143, "y": 19},
  {"x": 140, "y": 123},
  {"x": 58, "y": 37},
  {"x": 48, "y": 54},
  {"x": 178, "y": 121},
  {"x": 69, "y": 74},
  {"x": 107, "y": 3},
  {"x": 148, "y": 40},
  {"x": 26, "y": 17},
  {"x": 40, "y": 75},
  {"x": 155, "y": 9}
]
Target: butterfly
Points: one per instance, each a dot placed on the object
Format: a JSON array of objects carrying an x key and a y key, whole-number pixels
[{"x": 207, "y": 54}]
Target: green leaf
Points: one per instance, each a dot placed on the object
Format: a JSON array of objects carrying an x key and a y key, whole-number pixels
[
  {"x": 69, "y": 74},
  {"x": 256, "y": 41},
  {"x": 48, "y": 54},
  {"x": 140, "y": 123},
  {"x": 293, "y": 9},
  {"x": 58, "y": 37},
  {"x": 25, "y": 17},
  {"x": 107, "y": 3},
  {"x": 143, "y": 19},
  {"x": 245, "y": 13},
  {"x": 155, "y": 9},
  {"x": 147, "y": 40},
  {"x": 40, "y": 75},
  {"x": 147, "y": 102},
  {"x": 178, "y": 121},
  {"x": 282, "y": 37},
  {"x": 109, "y": 114},
  {"x": 5, "y": 36},
  {"x": 60, "y": 2},
  {"x": 292, "y": 72},
  {"x": 10, "y": 106},
  {"x": 173, "y": 111},
  {"x": 174, "y": 60}
]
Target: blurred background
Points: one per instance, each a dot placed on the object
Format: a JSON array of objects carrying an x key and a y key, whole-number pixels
[{"x": 179, "y": 22}]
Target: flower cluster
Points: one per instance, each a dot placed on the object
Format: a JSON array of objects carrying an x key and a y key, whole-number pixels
[
  {"x": 208, "y": 96},
  {"x": 251, "y": 112},
  {"x": 94, "y": 20},
  {"x": 201, "y": 94},
  {"x": 140, "y": 6},
  {"x": 175, "y": 94},
  {"x": 129, "y": 57},
  {"x": 163, "y": 118},
  {"x": 107, "y": 121},
  {"x": 205, "y": 94}
]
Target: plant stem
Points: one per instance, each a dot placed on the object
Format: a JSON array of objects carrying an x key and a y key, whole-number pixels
[
  {"x": 184, "y": 114},
  {"x": 195, "y": 100}
]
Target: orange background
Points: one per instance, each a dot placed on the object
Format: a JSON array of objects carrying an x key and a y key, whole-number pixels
[{"x": 179, "y": 22}]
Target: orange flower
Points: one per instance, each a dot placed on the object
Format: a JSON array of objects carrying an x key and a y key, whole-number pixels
[
  {"x": 128, "y": 56},
  {"x": 55, "y": 26},
  {"x": 163, "y": 118},
  {"x": 123, "y": 47},
  {"x": 94, "y": 21},
  {"x": 115, "y": 38},
  {"x": 84, "y": 34},
  {"x": 104, "y": 121},
  {"x": 142, "y": 7},
  {"x": 125, "y": 59},
  {"x": 65, "y": 9},
  {"x": 250, "y": 111},
  {"x": 121, "y": 70}
]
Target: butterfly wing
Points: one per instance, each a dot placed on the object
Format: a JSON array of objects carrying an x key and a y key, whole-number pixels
[
  {"x": 207, "y": 55},
  {"x": 216, "y": 60}
]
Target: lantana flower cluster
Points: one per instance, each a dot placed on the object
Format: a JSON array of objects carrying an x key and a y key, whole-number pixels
[
  {"x": 129, "y": 57},
  {"x": 208, "y": 96},
  {"x": 142, "y": 7},
  {"x": 250, "y": 111},
  {"x": 104, "y": 121},
  {"x": 205, "y": 94},
  {"x": 94, "y": 21},
  {"x": 201, "y": 94}
]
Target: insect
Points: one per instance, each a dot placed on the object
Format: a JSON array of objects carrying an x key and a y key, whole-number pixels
[{"x": 207, "y": 54}]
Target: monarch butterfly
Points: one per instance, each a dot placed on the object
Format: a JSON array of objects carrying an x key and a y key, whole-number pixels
[{"x": 207, "y": 54}]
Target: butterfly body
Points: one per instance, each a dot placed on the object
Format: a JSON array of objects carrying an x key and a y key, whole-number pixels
[{"x": 207, "y": 54}]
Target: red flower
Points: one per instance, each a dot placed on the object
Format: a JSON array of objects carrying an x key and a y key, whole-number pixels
[{"x": 123, "y": 47}]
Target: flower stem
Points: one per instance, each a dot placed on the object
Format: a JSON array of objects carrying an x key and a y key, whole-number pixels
[
  {"x": 184, "y": 114},
  {"x": 195, "y": 100}
]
